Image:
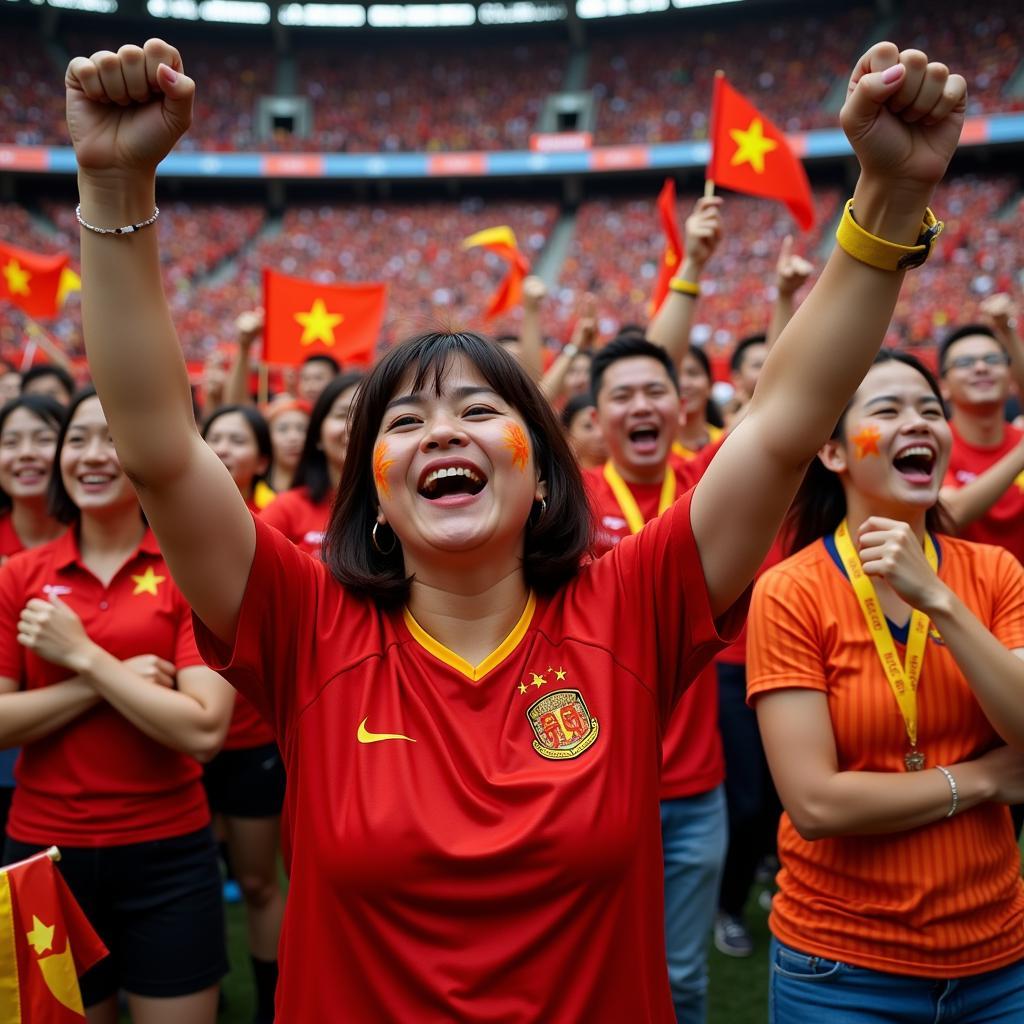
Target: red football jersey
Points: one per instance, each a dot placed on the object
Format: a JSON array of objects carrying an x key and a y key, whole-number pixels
[
  {"x": 299, "y": 518},
  {"x": 1003, "y": 524},
  {"x": 692, "y": 757},
  {"x": 481, "y": 842},
  {"x": 100, "y": 781}
]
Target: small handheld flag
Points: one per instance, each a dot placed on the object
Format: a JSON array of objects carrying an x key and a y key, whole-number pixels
[
  {"x": 672, "y": 257},
  {"x": 502, "y": 242},
  {"x": 36, "y": 284}
]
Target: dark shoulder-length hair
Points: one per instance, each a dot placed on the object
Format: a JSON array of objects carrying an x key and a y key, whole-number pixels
[
  {"x": 257, "y": 424},
  {"x": 312, "y": 471},
  {"x": 557, "y": 537},
  {"x": 712, "y": 414},
  {"x": 45, "y": 409},
  {"x": 820, "y": 503}
]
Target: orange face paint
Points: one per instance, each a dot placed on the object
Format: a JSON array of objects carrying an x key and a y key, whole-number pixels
[
  {"x": 518, "y": 444},
  {"x": 381, "y": 465},
  {"x": 867, "y": 442}
]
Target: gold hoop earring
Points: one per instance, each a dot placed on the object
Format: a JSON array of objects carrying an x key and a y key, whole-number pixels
[{"x": 376, "y": 542}]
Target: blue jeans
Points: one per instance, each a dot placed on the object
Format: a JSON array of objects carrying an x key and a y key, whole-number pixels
[
  {"x": 694, "y": 834},
  {"x": 806, "y": 989}
]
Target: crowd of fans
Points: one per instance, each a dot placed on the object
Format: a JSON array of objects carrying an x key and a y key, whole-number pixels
[{"x": 490, "y": 97}]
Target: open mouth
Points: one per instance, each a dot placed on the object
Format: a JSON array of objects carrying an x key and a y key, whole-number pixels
[
  {"x": 451, "y": 480},
  {"x": 644, "y": 440},
  {"x": 916, "y": 464}
]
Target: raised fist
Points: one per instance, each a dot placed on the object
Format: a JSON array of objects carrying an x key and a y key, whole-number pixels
[
  {"x": 534, "y": 291},
  {"x": 703, "y": 230},
  {"x": 999, "y": 310},
  {"x": 903, "y": 115},
  {"x": 126, "y": 110},
  {"x": 249, "y": 326}
]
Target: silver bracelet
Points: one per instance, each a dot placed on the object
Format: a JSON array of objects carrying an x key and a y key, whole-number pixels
[
  {"x": 954, "y": 791},
  {"x": 128, "y": 229}
]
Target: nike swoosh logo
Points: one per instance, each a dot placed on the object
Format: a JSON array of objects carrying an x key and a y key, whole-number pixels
[{"x": 365, "y": 736}]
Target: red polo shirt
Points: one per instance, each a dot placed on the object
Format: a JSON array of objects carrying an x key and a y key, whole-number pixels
[
  {"x": 692, "y": 758},
  {"x": 100, "y": 781},
  {"x": 299, "y": 518},
  {"x": 479, "y": 842},
  {"x": 1003, "y": 523},
  {"x": 10, "y": 542}
]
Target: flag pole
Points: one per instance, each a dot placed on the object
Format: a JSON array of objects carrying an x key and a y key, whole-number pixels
[
  {"x": 53, "y": 853},
  {"x": 40, "y": 336},
  {"x": 709, "y": 182}
]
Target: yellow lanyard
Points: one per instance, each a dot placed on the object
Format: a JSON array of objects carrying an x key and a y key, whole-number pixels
[
  {"x": 624, "y": 496},
  {"x": 903, "y": 679},
  {"x": 678, "y": 448}
]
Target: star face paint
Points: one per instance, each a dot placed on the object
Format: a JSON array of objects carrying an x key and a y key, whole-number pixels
[
  {"x": 381, "y": 465},
  {"x": 518, "y": 444},
  {"x": 867, "y": 442}
]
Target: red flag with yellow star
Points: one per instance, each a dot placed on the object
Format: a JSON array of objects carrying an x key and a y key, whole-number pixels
[
  {"x": 30, "y": 281},
  {"x": 304, "y": 318},
  {"x": 749, "y": 154},
  {"x": 45, "y": 944},
  {"x": 502, "y": 242},
  {"x": 672, "y": 257}
]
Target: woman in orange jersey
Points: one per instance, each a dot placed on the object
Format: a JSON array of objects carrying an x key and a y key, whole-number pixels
[
  {"x": 301, "y": 513},
  {"x": 885, "y": 667},
  {"x": 471, "y": 716}
]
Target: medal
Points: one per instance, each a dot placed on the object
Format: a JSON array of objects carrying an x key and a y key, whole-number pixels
[{"x": 903, "y": 679}]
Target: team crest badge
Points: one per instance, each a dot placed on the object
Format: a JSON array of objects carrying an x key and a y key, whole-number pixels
[{"x": 563, "y": 727}]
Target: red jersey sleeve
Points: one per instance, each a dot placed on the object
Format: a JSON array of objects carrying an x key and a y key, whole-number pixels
[
  {"x": 652, "y": 590},
  {"x": 290, "y": 599},
  {"x": 783, "y": 646},
  {"x": 12, "y": 593},
  {"x": 279, "y": 515}
]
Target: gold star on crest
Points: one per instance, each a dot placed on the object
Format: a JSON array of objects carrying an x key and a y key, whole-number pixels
[
  {"x": 751, "y": 146},
  {"x": 147, "y": 583},
  {"x": 17, "y": 278},
  {"x": 41, "y": 936},
  {"x": 318, "y": 324}
]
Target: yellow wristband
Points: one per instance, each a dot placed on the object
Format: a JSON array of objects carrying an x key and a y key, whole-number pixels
[
  {"x": 684, "y": 287},
  {"x": 877, "y": 252}
]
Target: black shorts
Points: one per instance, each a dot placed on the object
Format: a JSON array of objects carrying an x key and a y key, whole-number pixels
[
  {"x": 246, "y": 783},
  {"x": 157, "y": 907}
]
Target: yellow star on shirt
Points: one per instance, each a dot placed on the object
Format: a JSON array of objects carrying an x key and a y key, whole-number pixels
[
  {"x": 537, "y": 680},
  {"x": 751, "y": 145},
  {"x": 522, "y": 687},
  {"x": 1019, "y": 483},
  {"x": 17, "y": 278},
  {"x": 560, "y": 674},
  {"x": 147, "y": 583},
  {"x": 41, "y": 936},
  {"x": 318, "y": 324}
]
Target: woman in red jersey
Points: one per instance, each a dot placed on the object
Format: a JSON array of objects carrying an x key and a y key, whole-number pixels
[
  {"x": 302, "y": 512},
  {"x": 470, "y": 717},
  {"x": 245, "y": 781},
  {"x": 28, "y": 438},
  {"x": 102, "y": 685},
  {"x": 240, "y": 437},
  {"x": 885, "y": 664},
  {"x": 288, "y": 420},
  {"x": 700, "y": 421}
]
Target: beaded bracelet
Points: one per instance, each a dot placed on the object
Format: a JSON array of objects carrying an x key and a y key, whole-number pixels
[{"x": 128, "y": 229}]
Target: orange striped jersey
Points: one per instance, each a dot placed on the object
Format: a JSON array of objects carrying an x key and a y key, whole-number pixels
[{"x": 944, "y": 900}]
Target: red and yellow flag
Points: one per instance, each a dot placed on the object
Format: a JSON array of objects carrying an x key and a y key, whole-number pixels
[
  {"x": 749, "y": 154},
  {"x": 45, "y": 944},
  {"x": 502, "y": 242},
  {"x": 305, "y": 318},
  {"x": 672, "y": 257},
  {"x": 36, "y": 284}
]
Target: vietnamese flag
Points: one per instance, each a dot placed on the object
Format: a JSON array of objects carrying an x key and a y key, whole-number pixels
[
  {"x": 672, "y": 257},
  {"x": 502, "y": 242},
  {"x": 45, "y": 944},
  {"x": 30, "y": 281},
  {"x": 306, "y": 318},
  {"x": 749, "y": 154}
]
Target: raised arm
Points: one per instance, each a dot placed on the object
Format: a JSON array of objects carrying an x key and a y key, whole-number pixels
[
  {"x": 670, "y": 327},
  {"x": 584, "y": 334},
  {"x": 791, "y": 274},
  {"x": 1001, "y": 313},
  {"x": 531, "y": 333},
  {"x": 903, "y": 116},
  {"x": 249, "y": 326},
  {"x": 126, "y": 110}
]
